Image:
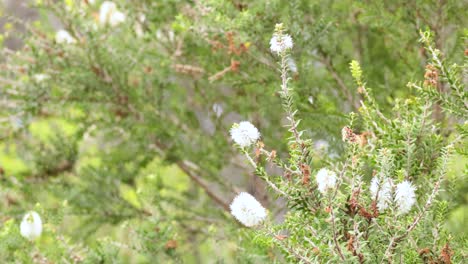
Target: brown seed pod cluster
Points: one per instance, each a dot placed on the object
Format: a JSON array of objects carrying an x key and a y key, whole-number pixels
[
  {"x": 230, "y": 47},
  {"x": 349, "y": 136},
  {"x": 353, "y": 207},
  {"x": 350, "y": 246},
  {"x": 431, "y": 77}
]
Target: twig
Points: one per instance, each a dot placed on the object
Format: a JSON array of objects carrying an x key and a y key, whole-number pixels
[
  {"x": 288, "y": 248},
  {"x": 184, "y": 167},
  {"x": 335, "y": 239},
  {"x": 396, "y": 239},
  {"x": 272, "y": 185}
]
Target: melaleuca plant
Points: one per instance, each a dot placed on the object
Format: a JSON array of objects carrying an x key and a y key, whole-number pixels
[
  {"x": 378, "y": 203},
  {"x": 114, "y": 120}
]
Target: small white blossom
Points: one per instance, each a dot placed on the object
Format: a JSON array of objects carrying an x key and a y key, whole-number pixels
[
  {"x": 40, "y": 77},
  {"x": 248, "y": 210},
  {"x": 279, "y": 44},
  {"x": 109, "y": 14},
  {"x": 218, "y": 109},
  {"x": 292, "y": 65},
  {"x": 31, "y": 225},
  {"x": 141, "y": 18},
  {"x": 326, "y": 180},
  {"x": 384, "y": 190},
  {"x": 405, "y": 196},
  {"x": 138, "y": 30},
  {"x": 321, "y": 145},
  {"x": 63, "y": 37},
  {"x": 244, "y": 134}
]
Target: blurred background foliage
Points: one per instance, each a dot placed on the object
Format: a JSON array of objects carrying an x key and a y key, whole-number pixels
[{"x": 123, "y": 148}]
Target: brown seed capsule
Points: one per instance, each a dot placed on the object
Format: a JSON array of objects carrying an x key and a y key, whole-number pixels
[
  {"x": 171, "y": 244},
  {"x": 446, "y": 255},
  {"x": 305, "y": 174},
  {"x": 235, "y": 65}
]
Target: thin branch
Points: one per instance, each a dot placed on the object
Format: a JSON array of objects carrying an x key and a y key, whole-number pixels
[
  {"x": 325, "y": 59},
  {"x": 183, "y": 165},
  {"x": 187, "y": 167},
  {"x": 271, "y": 184}
]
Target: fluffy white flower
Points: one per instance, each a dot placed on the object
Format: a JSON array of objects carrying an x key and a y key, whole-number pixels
[
  {"x": 109, "y": 14},
  {"x": 279, "y": 44},
  {"x": 62, "y": 36},
  {"x": 244, "y": 134},
  {"x": 31, "y": 225},
  {"x": 405, "y": 196},
  {"x": 384, "y": 190},
  {"x": 326, "y": 180},
  {"x": 247, "y": 210}
]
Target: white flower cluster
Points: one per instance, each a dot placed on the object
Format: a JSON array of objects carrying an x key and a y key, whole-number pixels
[
  {"x": 280, "y": 43},
  {"x": 404, "y": 199},
  {"x": 326, "y": 180},
  {"x": 244, "y": 134},
  {"x": 31, "y": 225},
  {"x": 63, "y": 37},
  {"x": 110, "y": 15},
  {"x": 383, "y": 191},
  {"x": 248, "y": 210}
]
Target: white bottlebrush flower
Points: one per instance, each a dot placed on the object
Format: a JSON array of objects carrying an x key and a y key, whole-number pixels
[
  {"x": 110, "y": 15},
  {"x": 31, "y": 225},
  {"x": 279, "y": 44},
  {"x": 248, "y": 210},
  {"x": 63, "y": 37},
  {"x": 326, "y": 180},
  {"x": 405, "y": 196},
  {"x": 244, "y": 134},
  {"x": 384, "y": 190}
]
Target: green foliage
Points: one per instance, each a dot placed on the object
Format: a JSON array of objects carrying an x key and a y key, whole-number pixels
[{"x": 119, "y": 139}]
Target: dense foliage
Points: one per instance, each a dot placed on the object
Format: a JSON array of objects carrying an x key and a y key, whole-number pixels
[{"x": 117, "y": 129}]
